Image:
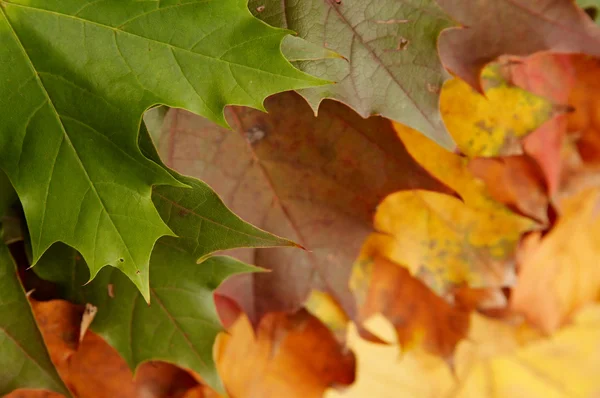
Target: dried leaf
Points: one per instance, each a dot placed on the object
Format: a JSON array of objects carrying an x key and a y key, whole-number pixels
[
  {"x": 420, "y": 317},
  {"x": 385, "y": 373},
  {"x": 503, "y": 361},
  {"x": 517, "y": 27},
  {"x": 516, "y": 182},
  {"x": 316, "y": 180},
  {"x": 491, "y": 125},
  {"x": 91, "y": 368},
  {"x": 290, "y": 356},
  {"x": 562, "y": 274},
  {"x": 390, "y": 66}
]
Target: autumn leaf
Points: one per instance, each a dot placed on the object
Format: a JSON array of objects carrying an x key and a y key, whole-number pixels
[
  {"x": 315, "y": 180},
  {"x": 515, "y": 181},
  {"x": 384, "y": 372},
  {"x": 567, "y": 147},
  {"x": 492, "y": 28},
  {"x": 92, "y": 368},
  {"x": 391, "y": 67},
  {"x": 500, "y": 360},
  {"x": 452, "y": 242},
  {"x": 561, "y": 274},
  {"x": 289, "y": 355},
  {"x": 421, "y": 318},
  {"x": 491, "y": 125}
]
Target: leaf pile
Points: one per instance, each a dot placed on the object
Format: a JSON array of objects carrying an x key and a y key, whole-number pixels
[{"x": 387, "y": 230}]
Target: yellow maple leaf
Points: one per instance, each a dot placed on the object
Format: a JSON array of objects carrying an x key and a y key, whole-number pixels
[
  {"x": 441, "y": 239},
  {"x": 491, "y": 125},
  {"x": 502, "y": 361},
  {"x": 384, "y": 372}
]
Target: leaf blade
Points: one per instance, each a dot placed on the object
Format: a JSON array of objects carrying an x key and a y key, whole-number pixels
[
  {"x": 78, "y": 78},
  {"x": 24, "y": 361}
]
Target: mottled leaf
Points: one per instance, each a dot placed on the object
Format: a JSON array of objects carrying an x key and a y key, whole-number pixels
[
  {"x": 316, "y": 180},
  {"x": 492, "y": 28},
  {"x": 391, "y": 67}
]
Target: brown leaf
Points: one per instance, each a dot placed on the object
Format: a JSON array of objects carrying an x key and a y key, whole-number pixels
[
  {"x": 517, "y": 27},
  {"x": 92, "y": 368},
  {"x": 567, "y": 147},
  {"x": 515, "y": 181},
  {"x": 291, "y": 355},
  {"x": 420, "y": 317},
  {"x": 315, "y": 180}
]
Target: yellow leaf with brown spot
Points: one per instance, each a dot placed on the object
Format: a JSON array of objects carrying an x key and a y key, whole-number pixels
[
  {"x": 491, "y": 125},
  {"x": 453, "y": 170},
  {"x": 385, "y": 372},
  {"x": 563, "y": 273},
  {"x": 445, "y": 242}
]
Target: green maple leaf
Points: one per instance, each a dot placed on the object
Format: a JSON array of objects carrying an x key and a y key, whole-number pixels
[
  {"x": 75, "y": 79},
  {"x": 7, "y": 194},
  {"x": 391, "y": 66},
  {"x": 24, "y": 361},
  {"x": 181, "y": 324}
]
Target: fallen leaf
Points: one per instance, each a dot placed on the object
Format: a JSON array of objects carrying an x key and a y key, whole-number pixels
[
  {"x": 453, "y": 170},
  {"x": 92, "y": 368},
  {"x": 492, "y": 28},
  {"x": 451, "y": 243},
  {"x": 545, "y": 145},
  {"x": 315, "y": 180},
  {"x": 390, "y": 66},
  {"x": 503, "y": 361},
  {"x": 493, "y": 124},
  {"x": 291, "y": 355},
  {"x": 562, "y": 273},
  {"x": 328, "y": 311},
  {"x": 515, "y": 181},
  {"x": 420, "y": 317},
  {"x": 384, "y": 372},
  {"x": 570, "y": 82}
]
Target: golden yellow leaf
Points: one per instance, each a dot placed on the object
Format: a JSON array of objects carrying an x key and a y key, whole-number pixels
[
  {"x": 563, "y": 273},
  {"x": 384, "y": 372},
  {"x": 491, "y": 125},
  {"x": 500, "y": 361},
  {"x": 445, "y": 242},
  {"x": 323, "y": 306},
  {"x": 453, "y": 170},
  {"x": 289, "y": 355}
]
